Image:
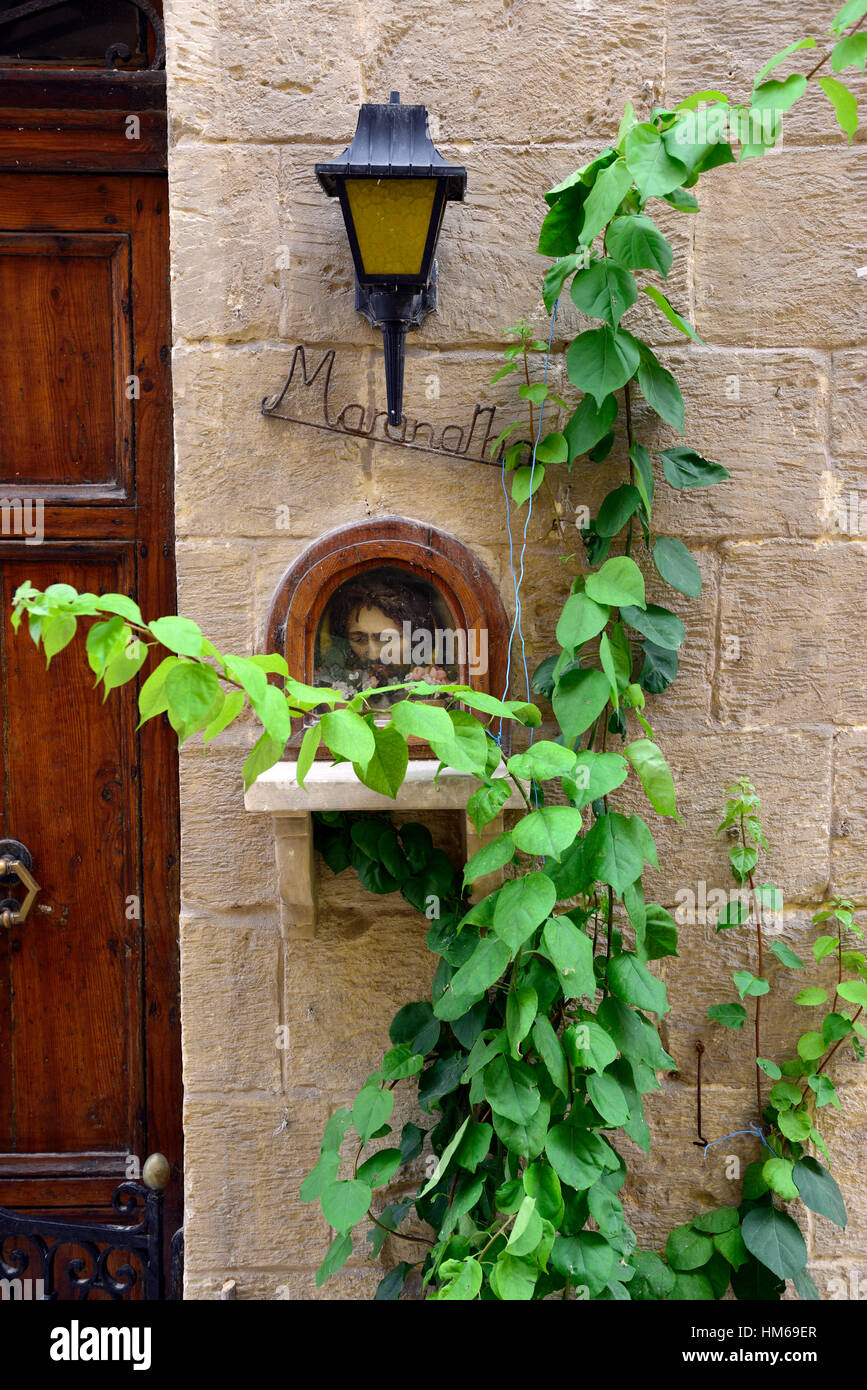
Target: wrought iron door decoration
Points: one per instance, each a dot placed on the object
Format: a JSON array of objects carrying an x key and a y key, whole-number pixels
[{"x": 39, "y": 1265}]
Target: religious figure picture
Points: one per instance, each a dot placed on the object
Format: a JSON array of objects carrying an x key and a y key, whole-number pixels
[{"x": 382, "y": 627}]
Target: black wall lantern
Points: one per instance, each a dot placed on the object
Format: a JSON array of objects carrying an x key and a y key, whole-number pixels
[{"x": 393, "y": 187}]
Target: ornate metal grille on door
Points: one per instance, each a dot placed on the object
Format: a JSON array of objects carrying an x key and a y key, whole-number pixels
[{"x": 33, "y": 1266}]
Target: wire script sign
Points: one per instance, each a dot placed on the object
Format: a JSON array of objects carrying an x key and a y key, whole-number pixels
[{"x": 305, "y": 399}]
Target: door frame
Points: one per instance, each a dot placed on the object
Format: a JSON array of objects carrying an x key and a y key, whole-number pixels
[{"x": 70, "y": 122}]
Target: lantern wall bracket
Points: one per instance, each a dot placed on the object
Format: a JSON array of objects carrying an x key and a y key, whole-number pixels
[{"x": 422, "y": 304}]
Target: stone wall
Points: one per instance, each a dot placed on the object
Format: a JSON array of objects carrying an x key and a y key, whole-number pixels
[{"x": 772, "y": 677}]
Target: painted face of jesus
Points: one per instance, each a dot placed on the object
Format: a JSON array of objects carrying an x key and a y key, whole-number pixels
[{"x": 369, "y": 631}]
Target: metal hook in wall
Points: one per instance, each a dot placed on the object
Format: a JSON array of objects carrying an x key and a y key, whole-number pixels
[{"x": 701, "y": 1142}]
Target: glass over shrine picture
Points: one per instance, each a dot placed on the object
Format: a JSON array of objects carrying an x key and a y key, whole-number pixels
[{"x": 386, "y": 626}]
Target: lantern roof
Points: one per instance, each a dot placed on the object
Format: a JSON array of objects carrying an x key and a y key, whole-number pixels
[{"x": 392, "y": 140}]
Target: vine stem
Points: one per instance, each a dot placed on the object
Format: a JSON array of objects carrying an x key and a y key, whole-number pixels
[
  {"x": 758, "y": 1017},
  {"x": 610, "y": 925},
  {"x": 610, "y": 912},
  {"x": 532, "y": 437},
  {"x": 512, "y": 778},
  {"x": 830, "y": 1054},
  {"x": 422, "y": 1240},
  {"x": 505, "y": 1226},
  {"x": 630, "y": 439},
  {"x": 414, "y": 1240},
  {"x": 823, "y": 60},
  {"x": 529, "y": 402}
]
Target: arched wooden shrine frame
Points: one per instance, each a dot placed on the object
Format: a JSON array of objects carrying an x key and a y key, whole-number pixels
[{"x": 310, "y": 582}]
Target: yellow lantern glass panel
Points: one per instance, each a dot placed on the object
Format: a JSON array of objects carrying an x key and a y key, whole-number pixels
[{"x": 391, "y": 218}]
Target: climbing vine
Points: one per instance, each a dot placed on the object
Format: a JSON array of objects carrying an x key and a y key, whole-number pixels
[
  {"x": 540, "y": 1038},
  {"x": 789, "y": 1115}
]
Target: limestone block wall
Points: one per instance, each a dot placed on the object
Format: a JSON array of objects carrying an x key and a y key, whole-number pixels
[{"x": 772, "y": 679}]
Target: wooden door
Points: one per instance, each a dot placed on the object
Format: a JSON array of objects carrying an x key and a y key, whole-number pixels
[{"x": 89, "y": 1018}]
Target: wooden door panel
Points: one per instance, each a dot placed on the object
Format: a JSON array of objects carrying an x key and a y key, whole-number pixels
[
  {"x": 89, "y": 1018},
  {"x": 74, "y": 202},
  {"x": 71, "y": 971},
  {"x": 66, "y": 351}
]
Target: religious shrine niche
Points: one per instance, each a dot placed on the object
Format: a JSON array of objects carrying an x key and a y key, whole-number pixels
[{"x": 385, "y": 601}]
